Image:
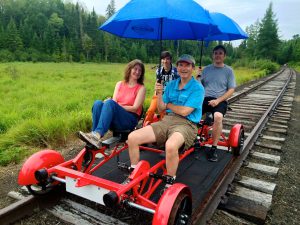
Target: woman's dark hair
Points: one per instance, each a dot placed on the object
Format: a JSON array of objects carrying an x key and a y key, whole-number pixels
[
  {"x": 132, "y": 64},
  {"x": 220, "y": 47}
]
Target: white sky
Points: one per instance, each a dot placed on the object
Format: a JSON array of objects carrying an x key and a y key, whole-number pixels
[{"x": 244, "y": 12}]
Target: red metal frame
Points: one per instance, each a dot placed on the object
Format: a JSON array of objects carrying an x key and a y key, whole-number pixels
[
  {"x": 142, "y": 183},
  {"x": 205, "y": 136}
]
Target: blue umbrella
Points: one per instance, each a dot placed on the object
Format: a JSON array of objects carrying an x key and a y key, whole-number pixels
[
  {"x": 161, "y": 20},
  {"x": 229, "y": 30}
]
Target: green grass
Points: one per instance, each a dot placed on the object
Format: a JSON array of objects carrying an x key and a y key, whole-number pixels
[
  {"x": 297, "y": 68},
  {"x": 244, "y": 75},
  {"x": 44, "y": 104}
]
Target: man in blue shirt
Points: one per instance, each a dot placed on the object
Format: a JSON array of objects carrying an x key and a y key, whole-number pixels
[{"x": 182, "y": 99}]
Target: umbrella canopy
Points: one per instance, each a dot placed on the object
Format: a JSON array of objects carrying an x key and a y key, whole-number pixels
[
  {"x": 161, "y": 20},
  {"x": 230, "y": 30}
]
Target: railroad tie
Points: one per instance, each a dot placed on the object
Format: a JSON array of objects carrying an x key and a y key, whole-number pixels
[
  {"x": 267, "y": 157},
  {"x": 253, "y": 204},
  {"x": 270, "y": 170},
  {"x": 269, "y": 146},
  {"x": 257, "y": 185}
]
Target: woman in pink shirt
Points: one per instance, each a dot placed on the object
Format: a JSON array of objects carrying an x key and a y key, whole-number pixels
[{"x": 123, "y": 110}]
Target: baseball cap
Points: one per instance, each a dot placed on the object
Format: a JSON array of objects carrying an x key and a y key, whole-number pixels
[{"x": 186, "y": 58}]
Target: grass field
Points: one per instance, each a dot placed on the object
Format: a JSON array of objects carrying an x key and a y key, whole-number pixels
[{"x": 44, "y": 104}]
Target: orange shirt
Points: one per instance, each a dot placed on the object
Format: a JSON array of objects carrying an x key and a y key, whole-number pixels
[{"x": 127, "y": 95}]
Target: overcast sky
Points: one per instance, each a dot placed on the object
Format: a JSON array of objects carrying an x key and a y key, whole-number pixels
[{"x": 244, "y": 12}]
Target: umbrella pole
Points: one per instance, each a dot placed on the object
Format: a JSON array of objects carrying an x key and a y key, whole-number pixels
[
  {"x": 199, "y": 72},
  {"x": 160, "y": 50},
  {"x": 201, "y": 52}
]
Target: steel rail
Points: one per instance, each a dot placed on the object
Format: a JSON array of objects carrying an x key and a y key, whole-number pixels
[{"x": 27, "y": 207}]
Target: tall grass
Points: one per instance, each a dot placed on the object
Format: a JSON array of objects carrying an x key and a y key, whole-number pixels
[
  {"x": 44, "y": 104},
  {"x": 244, "y": 75}
]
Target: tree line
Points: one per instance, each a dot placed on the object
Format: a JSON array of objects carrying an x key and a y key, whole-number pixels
[{"x": 61, "y": 31}]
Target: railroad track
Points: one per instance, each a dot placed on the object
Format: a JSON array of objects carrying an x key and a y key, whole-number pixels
[
  {"x": 265, "y": 114},
  {"x": 245, "y": 186}
]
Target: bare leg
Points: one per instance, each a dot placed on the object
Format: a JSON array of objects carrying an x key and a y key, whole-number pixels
[
  {"x": 172, "y": 158},
  {"x": 217, "y": 127},
  {"x": 136, "y": 138}
]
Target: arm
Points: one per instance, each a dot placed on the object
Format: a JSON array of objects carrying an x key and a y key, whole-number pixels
[
  {"x": 180, "y": 110},
  {"x": 224, "y": 97},
  {"x": 116, "y": 91},
  {"x": 139, "y": 100},
  {"x": 161, "y": 106}
]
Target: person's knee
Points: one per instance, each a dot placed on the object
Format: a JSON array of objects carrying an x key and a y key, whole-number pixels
[
  {"x": 132, "y": 139},
  {"x": 171, "y": 149},
  {"x": 218, "y": 117},
  {"x": 109, "y": 102},
  {"x": 97, "y": 103}
]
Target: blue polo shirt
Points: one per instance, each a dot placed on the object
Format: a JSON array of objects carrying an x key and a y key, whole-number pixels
[{"x": 191, "y": 95}]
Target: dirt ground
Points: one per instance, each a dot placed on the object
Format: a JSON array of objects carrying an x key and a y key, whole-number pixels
[{"x": 286, "y": 200}]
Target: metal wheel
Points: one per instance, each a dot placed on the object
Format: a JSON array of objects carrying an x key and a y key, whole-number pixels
[
  {"x": 174, "y": 206},
  {"x": 237, "y": 150},
  {"x": 181, "y": 210},
  {"x": 39, "y": 190}
]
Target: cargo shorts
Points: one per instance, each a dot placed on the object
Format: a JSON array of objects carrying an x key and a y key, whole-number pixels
[{"x": 171, "y": 124}]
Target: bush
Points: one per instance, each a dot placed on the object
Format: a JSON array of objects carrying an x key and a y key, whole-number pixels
[
  {"x": 205, "y": 61},
  {"x": 22, "y": 56},
  {"x": 6, "y": 56},
  {"x": 267, "y": 65},
  {"x": 244, "y": 62}
]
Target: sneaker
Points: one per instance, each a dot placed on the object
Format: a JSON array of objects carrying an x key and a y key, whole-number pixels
[
  {"x": 212, "y": 154},
  {"x": 92, "y": 138},
  {"x": 126, "y": 181}
]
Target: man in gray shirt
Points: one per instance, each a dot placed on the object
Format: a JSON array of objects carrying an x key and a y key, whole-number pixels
[{"x": 219, "y": 84}]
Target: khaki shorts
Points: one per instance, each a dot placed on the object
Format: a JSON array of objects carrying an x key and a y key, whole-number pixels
[{"x": 171, "y": 124}]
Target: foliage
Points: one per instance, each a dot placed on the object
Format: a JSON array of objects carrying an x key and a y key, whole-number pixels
[
  {"x": 263, "y": 66},
  {"x": 111, "y": 9},
  {"x": 244, "y": 75},
  {"x": 268, "y": 40}
]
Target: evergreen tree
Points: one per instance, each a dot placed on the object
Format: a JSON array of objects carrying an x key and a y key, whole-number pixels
[
  {"x": 111, "y": 9},
  {"x": 251, "y": 42},
  {"x": 87, "y": 44},
  {"x": 268, "y": 40},
  {"x": 13, "y": 40}
]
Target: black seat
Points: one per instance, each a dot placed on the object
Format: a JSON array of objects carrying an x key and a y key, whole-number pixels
[{"x": 123, "y": 134}]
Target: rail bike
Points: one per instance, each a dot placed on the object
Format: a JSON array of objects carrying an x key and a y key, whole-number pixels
[{"x": 98, "y": 176}]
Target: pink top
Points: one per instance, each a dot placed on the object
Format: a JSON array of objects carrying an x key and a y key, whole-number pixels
[{"x": 127, "y": 95}]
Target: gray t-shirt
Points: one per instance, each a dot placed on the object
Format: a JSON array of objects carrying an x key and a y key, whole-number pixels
[{"x": 217, "y": 80}]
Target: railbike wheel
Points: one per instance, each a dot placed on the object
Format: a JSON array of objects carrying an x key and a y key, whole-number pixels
[
  {"x": 174, "y": 206},
  {"x": 39, "y": 190},
  {"x": 237, "y": 150},
  {"x": 181, "y": 211}
]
